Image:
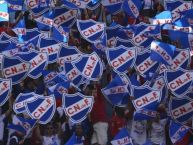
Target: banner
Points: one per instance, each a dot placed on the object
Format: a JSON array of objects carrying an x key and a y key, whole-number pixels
[
  {"x": 20, "y": 101},
  {"x": 181, "y": 110},
  {"x": 90, "y": 66},
  {"x": 121, "y": 58},
  {"x": 38, "y": 60},
  {"x": 162, "y": 52},
  {"x": 42, "y": 108},
  {"x": 15, "y": 69},
  {"x": 5, "y": 90},
  {"x": 91, "y": 30},
  {"x": 179, "y": 81},
  {"x": 146, "y": 98},
  {"x": 77, "y": 106}
]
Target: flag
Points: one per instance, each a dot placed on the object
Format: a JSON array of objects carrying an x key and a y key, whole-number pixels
[
  {"x": 51, "y": 47},
  {"x": 181, "y": 109},
  {"x": 17, "y": 128},
  {"x": 4, "y": 15},
  {"x": 15, "y": 5},
  {"x": 20, "y": 101},
  {"x": 72, "y": 140},
  {"x": 125, "y": 43},
  {"x": 5, "y": 90},
  {"x": 162, "y": 52},
  {"x": 122, "y": 138},
  {"x": 91, "y": 30},
  {"x": 15, "y": 69},
  {"x": 38, "y": 60},
  {"x": 112, "y": 7},
  {"x": 90, "y": 66},
  {"x": 77, "y": 106},
  {"x": 121, "y": 58},
  {"x": 41, "y": 109},
  {"x": 179, "y": 81},
  {"x": 61, "y": 34},
  {"x": 27, "y": 123},
  {"x": 132, "y": 7},
  {"x": 116, "y": 92},
  {"x": 162, "y": 18},
  {"x": 146, "y": 98},
  {"x": 9, "y": 48},
  {"x": 145, "y": 65},
  {"x": 20, "y": 28},
  {"x": 145, "y": 114},
  {"x": 177, "y": 131},
  {"x": 45, "y": 22}
]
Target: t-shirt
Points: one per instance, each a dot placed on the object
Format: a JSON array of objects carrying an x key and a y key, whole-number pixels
[
  {"x": 51, "y": 140},
  {"x": 2, "y": 117},
  {"x": 157, "y": 132},
  {"x": 138, "y": 132}
]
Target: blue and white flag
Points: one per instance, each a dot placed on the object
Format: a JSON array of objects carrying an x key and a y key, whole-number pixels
[
  {"x": 126, "y": 43},
  {"x": 132, "y": 7},
  {"x": 176, "y": 7},
  {"x": 177, "y": 131},
  {"x": 15, "y": 68},
  {"x": 181, "y": 59},
  {"x": 179, "y": 81},
  {"x": 146, "y": 98},
  {"x": 72, "y": 73},
  {"x": 10, "y": 49},
  {"x": 4, "y": 37},
  {"x": 30, "y": 45},
  {"x": 122, "y": 138},
  {"x": 27, "y": 124},
  {"x": 49, "y": 77},
  {"x": 144, "y": 114},
  {"x": 121, "y": 58},
  {"x": 18, "y": 128},
  {"x": 145, "y": 65},
  {"x": 42, "y": 108},
  {"x": 45, "y": 22},
  {"x": 65, "y": 16},
  {"x": 162, "y": 52},
  {"x": 91, "y": 30},
  {"x": 68, "y": 54},
  {"x": 30, "y": 34},
  {"x": 34, "y": 7},
  {"x": 93, "y": 4},
  {"x": 61, "y": 34},
  {"x": 20, "y": 101},
  {"x": 82, "y": 4},
  {"x": 51, "y": 47},
  {"x": 15, "y": 5},
  {"x": 20, "y": 29},
  {"x": 38, "y": 60},
  {"x": 112, "y": 7},
  {"x": 90, "y": 66},
  {"x": 140, "y": 37},
  {"x": 5, "y": 90},
  {"x": 77, "y": 106},
  {"x": 4, "y": 15},
  {"x": 59, "y": 89},
  {"x": 72, "y": 140},
  {"x": 116, "y": 92},
  {"x": 181, "y": 110},
  {"x": 162, "y": 18}
]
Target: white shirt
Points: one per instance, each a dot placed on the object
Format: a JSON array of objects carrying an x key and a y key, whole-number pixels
[
  {"x": 2, "y": 126},
  {"x": 50, "y": 140},
  {"x": 138, "y": 132},
  {"x": 157, "y": 132}
]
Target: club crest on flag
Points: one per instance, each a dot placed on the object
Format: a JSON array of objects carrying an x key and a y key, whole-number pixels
[
  {"x": 144, "y": 65},
  {"x": 112, "y": 7},
  {"x": 65, "y": 16},
  {"x": 15, "y": 68},
  {"x": 51, "y": 47},
  {"x": 4, "y": 15},
  {"x": 5, "y": 90},
  {"x": 176, "y": 7},
  {"x": 179, "y": 81},
  {"x": 181, "y": 59},
  {"x": 122, "y": 138},
  {"x": 72, "y": 73},
  {"x": 77, "y": 106},
  {"x": 121, "y": 58},
  {"x": 68, "y": 54},
  {"x": 91, "y": 30},
  {"x": 22, "y": 98},
  {"x": 90, "y": 66},
  {"x": 181, "y": 109},
  {"x": 177, "y": 131},
  {"x": 42, "y": 108},
  {"x": 146, "y": 98},
  {"x": 38, "y": 62}
]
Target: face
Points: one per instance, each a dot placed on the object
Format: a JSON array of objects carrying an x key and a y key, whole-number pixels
[
  {"x": 49, "y": 130},
  {"x": 79, "y": 130}
]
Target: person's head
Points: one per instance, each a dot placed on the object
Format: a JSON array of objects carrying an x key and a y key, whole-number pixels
[
  {"x": 78, "y": 130},
  {"x": 49, "y": 129}
]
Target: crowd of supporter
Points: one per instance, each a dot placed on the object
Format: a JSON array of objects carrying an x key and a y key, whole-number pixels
[{"x": 105, "y": 120}]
